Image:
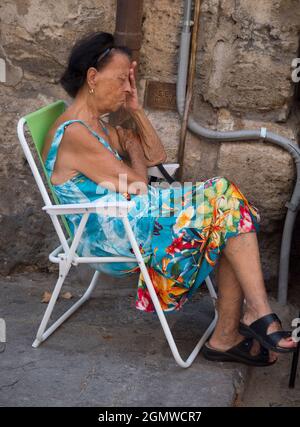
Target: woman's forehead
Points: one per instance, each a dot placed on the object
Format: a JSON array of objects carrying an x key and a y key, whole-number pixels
[{"x": 119, "y": 62}]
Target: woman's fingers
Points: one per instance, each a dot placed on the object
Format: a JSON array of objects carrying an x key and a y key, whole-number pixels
[
  {"x": 132, "y": 79},
  {"x": 132, "y": 76}
]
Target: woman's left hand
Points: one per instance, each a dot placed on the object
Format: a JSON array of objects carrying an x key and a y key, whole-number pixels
[{"x": 132, "y": 102}]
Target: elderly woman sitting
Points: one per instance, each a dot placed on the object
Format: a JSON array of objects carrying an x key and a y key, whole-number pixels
[{"x": 183, "y": 232}]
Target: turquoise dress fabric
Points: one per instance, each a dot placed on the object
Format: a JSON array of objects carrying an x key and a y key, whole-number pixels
[
  {"x": 103, "y": 236},
  {"x": 181, "y": 231}
]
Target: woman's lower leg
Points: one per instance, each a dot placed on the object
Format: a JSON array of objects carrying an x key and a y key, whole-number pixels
[
  {"x": 229, "y": 307},
  {"x": 242, "y": 252},
  {"x": 229, "y": 304}
]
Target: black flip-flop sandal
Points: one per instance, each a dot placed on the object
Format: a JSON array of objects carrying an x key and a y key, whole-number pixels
[
  {"x": 258, "y": 330},
  {"x": 239, "y": 353}
]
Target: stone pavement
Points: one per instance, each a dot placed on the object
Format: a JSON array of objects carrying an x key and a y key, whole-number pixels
[
  {"x": 268, "y": 386},
  {"x": 108, "y": 353}
]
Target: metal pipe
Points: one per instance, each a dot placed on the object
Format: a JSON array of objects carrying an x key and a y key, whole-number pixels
[
  {"x": 128, "y": 32},
  {"x": 189, "y": 92},
  {"x": 259, "y": 135}
]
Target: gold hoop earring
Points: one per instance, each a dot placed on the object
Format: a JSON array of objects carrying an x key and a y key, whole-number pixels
[{"x": 91, "y": 91}]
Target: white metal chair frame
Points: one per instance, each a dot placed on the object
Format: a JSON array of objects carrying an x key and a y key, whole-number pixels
[{"x": 65, "y": 255}]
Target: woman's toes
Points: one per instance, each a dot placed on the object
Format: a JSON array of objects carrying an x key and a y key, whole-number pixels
[
  {"x": 255, "y": 349},
  {"x": 287, "y": 343},
  {"x": 273, "y": 356},
  {"x": 284, "y": 342}
]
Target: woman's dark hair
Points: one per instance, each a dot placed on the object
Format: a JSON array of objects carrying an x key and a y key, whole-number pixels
[{"x": 91, "y": 51}]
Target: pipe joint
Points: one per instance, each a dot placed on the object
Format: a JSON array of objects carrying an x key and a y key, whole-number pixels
[
  {"x": 188, "y": 23},
  {"x": 292, "y": 206}
]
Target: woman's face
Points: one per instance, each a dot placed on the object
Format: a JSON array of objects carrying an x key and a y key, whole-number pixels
[{"x": 111, "y": 84}]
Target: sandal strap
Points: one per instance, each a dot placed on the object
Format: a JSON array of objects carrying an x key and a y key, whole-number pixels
[
  {"x": 260, "y": 326},
  {"x": 275, "y": 337},
  {"x": 246, "y": 346}
]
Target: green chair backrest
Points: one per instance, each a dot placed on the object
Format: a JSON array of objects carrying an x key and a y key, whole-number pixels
[{"x": 39, "y": 123}]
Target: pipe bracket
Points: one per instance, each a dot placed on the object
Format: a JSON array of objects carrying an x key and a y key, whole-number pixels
[
  {"x": 292, "y": 207},
  {"x": 263, "y": 133}
]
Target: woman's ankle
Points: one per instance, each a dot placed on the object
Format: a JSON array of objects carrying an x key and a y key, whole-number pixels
[{"x": 252, "y": 313}]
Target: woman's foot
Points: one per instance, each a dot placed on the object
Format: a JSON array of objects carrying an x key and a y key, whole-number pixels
[
  {"x": 225, "y": 344},
  {"x": 240, "y": 349},
  {"x": 285, "y": 343}
]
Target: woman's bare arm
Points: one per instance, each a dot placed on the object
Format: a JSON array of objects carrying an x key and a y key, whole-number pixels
[
  {"x": 136, "y": 157},
  {"x": 153, "y": 149}
]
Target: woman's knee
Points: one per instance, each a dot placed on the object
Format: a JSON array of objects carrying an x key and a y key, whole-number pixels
[
  {"x": 226, "y": 180},
  {"x": 223, "y": 184}
]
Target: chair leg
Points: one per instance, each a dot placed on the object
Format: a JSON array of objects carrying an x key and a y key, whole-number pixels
[
  {"x": 42, "y": 335},
  {"x": 159, "y": 311},
  {"x": 168, "y": 333},
  {"x": 294, "y": 366}
]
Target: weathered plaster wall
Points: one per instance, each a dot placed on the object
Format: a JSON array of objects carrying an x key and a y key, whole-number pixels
[
  {"x": 243, "y": 80},
  {"x": 36, "y": 36}
]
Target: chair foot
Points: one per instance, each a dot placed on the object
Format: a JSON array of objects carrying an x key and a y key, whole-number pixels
[
  {"x": 43, "y": 334},
  {"x": 36, "y": 343}
]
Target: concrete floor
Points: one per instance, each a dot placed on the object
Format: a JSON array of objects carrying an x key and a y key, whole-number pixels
[{"x": 108, "y": 353}]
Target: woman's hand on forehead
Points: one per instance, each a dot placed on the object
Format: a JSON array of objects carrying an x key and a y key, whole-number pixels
[{"x": 132, "y": 102}]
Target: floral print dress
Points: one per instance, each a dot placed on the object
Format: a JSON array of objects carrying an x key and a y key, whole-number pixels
[{"x": 180, "y": 230}]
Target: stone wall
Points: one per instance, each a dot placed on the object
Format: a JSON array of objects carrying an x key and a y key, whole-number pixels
[
  {"x": 243, "y": 81},
  {"x": 36, "y": 36}
]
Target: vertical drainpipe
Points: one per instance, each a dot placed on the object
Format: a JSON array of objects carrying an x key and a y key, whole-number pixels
[{"x": 128, "y": 32}]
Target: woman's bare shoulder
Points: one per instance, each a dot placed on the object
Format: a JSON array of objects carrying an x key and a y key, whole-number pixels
[{"x": 64, "y": 117}]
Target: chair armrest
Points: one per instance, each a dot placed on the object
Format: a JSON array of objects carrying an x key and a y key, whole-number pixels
[
  {"x": 105, "y": 208},
  {"x": 170, "y": 168}
]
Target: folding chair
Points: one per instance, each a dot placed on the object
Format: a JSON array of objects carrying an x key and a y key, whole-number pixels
[{"x": 38, "y": 123}]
